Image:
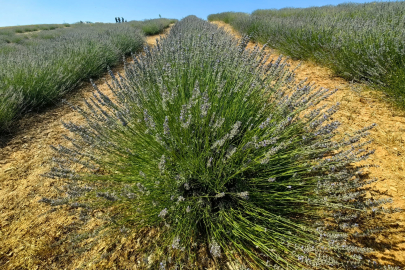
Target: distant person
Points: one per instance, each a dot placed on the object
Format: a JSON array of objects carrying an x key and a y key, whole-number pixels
[
  {"x": 116, "y": 20},
  {"x": 119, "y": 20},
  {"x": 122, "y": 19}
]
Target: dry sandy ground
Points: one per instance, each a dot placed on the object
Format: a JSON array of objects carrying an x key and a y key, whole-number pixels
[{"x": 27, "y": 229}]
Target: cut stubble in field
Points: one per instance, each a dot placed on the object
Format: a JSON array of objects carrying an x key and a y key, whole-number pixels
[{"x": 27, "y": 232}]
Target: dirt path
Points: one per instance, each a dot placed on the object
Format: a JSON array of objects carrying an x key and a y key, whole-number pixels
[
  {"x": 24, "y": 231},
  {"x": 360, "y": 107}
]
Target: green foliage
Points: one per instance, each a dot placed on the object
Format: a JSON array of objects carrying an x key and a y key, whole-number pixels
[
  {"x": 43, "y": 66},
  {"x": 32, "y": 28},
  {"x": 6, "y": 32},
  {"x": 227, "y": 17},
  {"x": 361, "y": 42},
  {"x": 10, "y": 102},
  {"x": 211, "y": 150},
  {"x": 154, "y": 26}
]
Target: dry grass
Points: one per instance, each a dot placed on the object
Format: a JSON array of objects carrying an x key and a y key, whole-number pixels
[{"x": 28, "y": 231}]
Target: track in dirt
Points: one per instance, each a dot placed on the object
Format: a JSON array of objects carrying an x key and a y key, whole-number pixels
[{"x": 26, "y": 231}]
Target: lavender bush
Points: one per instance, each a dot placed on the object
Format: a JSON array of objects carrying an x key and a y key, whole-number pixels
[
  {"x": 154, "y": 26},
  {"x": 361, "y": 42},
  {"x": 218, "y": 152},
  {"x": 227, "y": 17}
]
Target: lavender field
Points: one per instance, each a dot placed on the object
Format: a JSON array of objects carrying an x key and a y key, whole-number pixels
[
  {"x": 207, "y": 148},
  {"x": 40, "y": 64},
  {"x": 360, "y": 42}
]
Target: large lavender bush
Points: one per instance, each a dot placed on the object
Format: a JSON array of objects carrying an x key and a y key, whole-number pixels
[
  {"x": 217, "y": 152},
  {"x": 361, "y": 42}
]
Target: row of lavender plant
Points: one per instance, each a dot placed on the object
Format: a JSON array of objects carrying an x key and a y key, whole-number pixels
[
  {"x": 44, "y": 66},
  {"x": 218, "y": 156},
  {"x": 15, "y": 37},
  {"x": 153, "y": 26},
  {"x": 10, "y": 34},
  {"x": 362, "y": 42}
]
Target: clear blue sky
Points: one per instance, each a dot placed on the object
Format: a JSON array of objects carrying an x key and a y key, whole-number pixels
[{"x": 23, "y": 12}]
